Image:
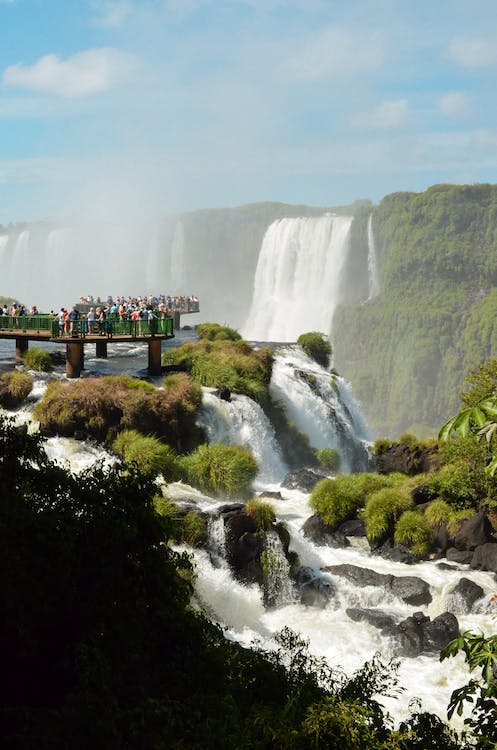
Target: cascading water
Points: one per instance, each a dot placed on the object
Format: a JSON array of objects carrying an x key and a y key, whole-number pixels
[
  {"x": 321, "y": 405},
  {"x": 241, "y": 421},
  {"x": 374, "y": 278},
  {"x": 297, "y": 281}
]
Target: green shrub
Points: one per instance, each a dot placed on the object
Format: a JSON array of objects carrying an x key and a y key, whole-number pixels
[
  {"x": 194, "y": 530},
  {"x": 337, "y": 500},
  {"x": 414, "y": 531},
  {"x": 410, "y": 440},
  {"x": 457, "y": 485},
  {"x": 382, "y": 510},
  {"x": 316, "y": 346},
  {"x": 148, "y": 453},
  {"x": 221, "y": 469},
  {"x": 329, "y": 458},
  {"x": 216, "y": 332},
  {"x": 438, "y": 514},
  {"x": 15, "y": 387},
  {"x": 38, "y": 359},
  {"x": 381, "y": 445},
  {"x": 261, "y": 512}
]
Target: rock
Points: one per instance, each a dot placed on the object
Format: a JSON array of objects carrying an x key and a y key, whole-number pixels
[
  {"x": 352, "y": 528},
  {"x": 421, "y": 494},
  {"x": 284, "y": 536},
  {"x": 375, "y": 617},
  {"x": 244, "y": 546},
  {"x": 462, "y": 597},
  {"x": 272, "y": 495},
  {"x": 418, "y": 634},
  {"x": 321, "y": 534},
  {"x": 410, "y": 589},
  {"x": 458, "y": 556},
  {"x": 474, "y": 532},
  {"x": 395, "y": 552},
  {"x": 223, "y": 393},
  {"x": 485, "y": 557},
  {"x": 314, "y": 590},
  {"x": 400, "y": 457},
  {"x": 302, "y": 479},
  {"x": 445, "y": 566}
]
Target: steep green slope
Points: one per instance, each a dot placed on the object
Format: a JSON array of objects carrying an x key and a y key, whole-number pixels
[{"x": 407, "y": 350}]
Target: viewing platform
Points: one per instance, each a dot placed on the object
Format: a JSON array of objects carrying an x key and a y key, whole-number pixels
[{"x": 26, "y": 328}]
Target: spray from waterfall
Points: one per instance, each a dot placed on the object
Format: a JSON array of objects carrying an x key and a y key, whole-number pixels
[{"x": 297, "y": 283}]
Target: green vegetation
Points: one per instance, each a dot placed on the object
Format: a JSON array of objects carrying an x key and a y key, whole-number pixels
[
  {"x": 382, "y": 511},
  {"x": 261, "y": 512},
  {"x": 102, "y": 407},
  {"x": 337, "y": 500},
  {"x": 221, "y": 470},
  {"x": 37, "y": 358},
  {"x": 329, "y": 458},
  {"x": 381, "y": 445},
  {"x": 407, "y": 350},
  {"x": 148, "y": 453},
  {"x": 15, "y": 387},
  {"x": 316, "y": 346},
  {"x": 413, "y": 530},
  {"x": 225, "y": 364},
  {"x": 216, "y": 332}
]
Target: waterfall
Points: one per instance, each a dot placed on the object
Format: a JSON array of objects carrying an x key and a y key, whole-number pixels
[
  {"x": 322, "y": 405},
  {"x": 297, "y": 280},
  {"x": 177, "y": 273},
  {"x": 279, "y": 588},
  {"x": 241, "y": 421},
  {"x": 374, "y": 280},
  {"x": 217, "y": 535}
]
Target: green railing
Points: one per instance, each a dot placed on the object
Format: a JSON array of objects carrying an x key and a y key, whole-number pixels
[
  {"x": 114, "y": 326},
  {"x": 24, "y": 323}
]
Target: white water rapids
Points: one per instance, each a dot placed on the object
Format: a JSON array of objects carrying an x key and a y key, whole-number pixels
[{"x": 240, "y": 608}]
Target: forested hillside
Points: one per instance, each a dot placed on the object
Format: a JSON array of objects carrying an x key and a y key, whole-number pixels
[{"x": 408, "y": 349}]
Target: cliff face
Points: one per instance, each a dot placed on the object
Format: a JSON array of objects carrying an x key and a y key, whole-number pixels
[{"x": 408, "y": 350}]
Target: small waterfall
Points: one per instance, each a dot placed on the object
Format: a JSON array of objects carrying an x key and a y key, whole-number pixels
[
  {"x": 297, "y": 280},
  {"x": 241, "y": 421},
  {"x": 321, "y": 404},
  {"x": 217, "y": 536},
  {"x": 374, "y": 280},
  {"x": 279, "y": 588}
]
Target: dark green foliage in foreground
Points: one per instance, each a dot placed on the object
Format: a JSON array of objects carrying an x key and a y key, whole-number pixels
[
  {"x": 100, "y": 649},
  {"x": 316, "y": 346},
  {"x": 225, "y": 364},
  {"x": 15, "y": 387}
]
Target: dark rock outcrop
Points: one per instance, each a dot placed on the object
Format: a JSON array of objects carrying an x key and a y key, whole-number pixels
[
  {"x": 395, "y": 552},
  {"x": 400, "y": 457},
  {"x": 352, "y": 528},
  {"x": 375, "y": 617},
  {"x": 485, "y": 557},
  {"x": 410, "y": 589},
  {"x": 314, "y": 590},
  {"x": 418, "y": 634},
  {"x": 302, "y": 479},
  {"x": 462, "y": 597},
  {"x": 271, "y": 495},
  {"x": 321, "y": 534},
  {"x": 459, "y": 556},
  {"x": 474, "y": 532},
  {"x": 223, "y": 393}
]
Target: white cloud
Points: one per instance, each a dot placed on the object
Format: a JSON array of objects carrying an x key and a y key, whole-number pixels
[
  {"x": 91, "y": 72},
  {"x": 335, "y": 52},
  {"x": 112, "y": 13},
  {"x": 474, "y": 53},
  {"x": 453, "y": 105},
  {"x": 387, "y": 115}
]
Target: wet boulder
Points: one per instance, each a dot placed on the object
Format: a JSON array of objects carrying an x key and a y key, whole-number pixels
[
  {"x": 321, "y": 534},
  {"x": 375, "y": 617},
  {"x": 485, "y": 557},
  {"x": 474, "y": 532},
  {"x": 302, "y": 479},
  {"x": 358, "y": 576},
  {"x": 463, "y": 557},
  {"x": 419, "y": 634},
  {"x": 355, "y": 527},
  {"x": 410, "y": 589},
  {"x": 395, "y": 552},
  {"x": 462, "y": 597},
  {"x": 314, "y": 590}
]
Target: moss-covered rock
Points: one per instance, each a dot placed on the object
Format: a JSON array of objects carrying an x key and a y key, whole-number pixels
[{"x": 15, "y": 387}]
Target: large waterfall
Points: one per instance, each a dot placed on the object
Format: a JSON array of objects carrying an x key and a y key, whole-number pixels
[
  {"x": 374, "y": 277},
  {"x": 297, "y": 281}
]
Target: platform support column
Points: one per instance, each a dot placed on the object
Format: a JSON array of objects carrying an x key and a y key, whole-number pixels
[
  {"x": 177, "y": 320},
  {"x": 21, "y": 347},
  {"x": 154, "y": 357},
  {"x": 75, "y": 359},
  {"x": 101, "y": 349}
]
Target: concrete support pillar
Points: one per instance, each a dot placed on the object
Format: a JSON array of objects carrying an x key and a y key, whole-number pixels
[
  {"x": 21, "y": 347},
  {"x": 75, "y": 359},
  {"x": 154, "y": 357},
  {"x": 177, "y": 320},
  {"x": 101, "y": 349}
]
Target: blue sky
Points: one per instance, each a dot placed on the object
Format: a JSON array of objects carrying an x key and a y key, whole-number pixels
[{"x": 130, "y": 108}]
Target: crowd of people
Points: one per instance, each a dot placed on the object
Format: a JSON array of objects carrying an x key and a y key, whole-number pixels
[{"x": 161, "y": 302}]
